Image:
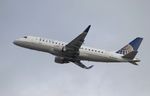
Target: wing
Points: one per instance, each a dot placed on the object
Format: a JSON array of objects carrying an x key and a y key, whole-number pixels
[
  {"x": 80, "y": 64},
  {"x": 78, "y": 41},
  {"x": 73, "y": 47}
]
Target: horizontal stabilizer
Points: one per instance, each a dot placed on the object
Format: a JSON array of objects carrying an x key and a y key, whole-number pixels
[
  {"x": 134, "y": 63},
  {"x": 130, "y": 55}
]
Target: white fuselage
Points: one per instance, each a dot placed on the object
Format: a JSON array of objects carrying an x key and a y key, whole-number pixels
[{"x": 55, "y": 47}]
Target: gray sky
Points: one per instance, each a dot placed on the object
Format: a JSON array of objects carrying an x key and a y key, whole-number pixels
[{"x": 24, "y": 72}]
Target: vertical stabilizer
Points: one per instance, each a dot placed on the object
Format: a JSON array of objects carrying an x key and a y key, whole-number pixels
[{"x": 131, "y": 48}]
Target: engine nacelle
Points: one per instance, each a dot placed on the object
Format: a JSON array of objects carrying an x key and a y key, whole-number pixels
[{"x": 61, "y": 60}]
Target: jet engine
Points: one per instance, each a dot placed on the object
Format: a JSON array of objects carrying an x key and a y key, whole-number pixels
[{"x": 61, "y": 60}]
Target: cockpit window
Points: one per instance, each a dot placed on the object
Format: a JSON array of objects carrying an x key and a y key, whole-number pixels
[{"x": 25, "y": 36}]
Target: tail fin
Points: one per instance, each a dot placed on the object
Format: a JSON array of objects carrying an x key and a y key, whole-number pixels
[
  {"x": 130, "y": 55},
  {"x": 130, "y": 48}
]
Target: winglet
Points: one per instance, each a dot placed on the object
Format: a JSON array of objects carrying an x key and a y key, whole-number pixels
[
  {"x": 89, "y": 67},
  {"x": 87, "y": 29},
  {"x": 80, "y": 64}
]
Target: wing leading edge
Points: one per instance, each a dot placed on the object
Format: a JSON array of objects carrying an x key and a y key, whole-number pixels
[
  {"x": 71, "y": 50},
  {"x": 76, "y": 43}
]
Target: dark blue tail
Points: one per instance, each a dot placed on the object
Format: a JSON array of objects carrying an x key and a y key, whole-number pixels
[{"x": 132, "y": 46}]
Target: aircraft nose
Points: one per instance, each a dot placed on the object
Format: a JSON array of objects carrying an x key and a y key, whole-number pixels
[{"x": 16, "y": 42}]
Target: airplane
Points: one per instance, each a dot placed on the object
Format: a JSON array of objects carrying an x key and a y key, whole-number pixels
[{"x": 74, "y": 51}]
